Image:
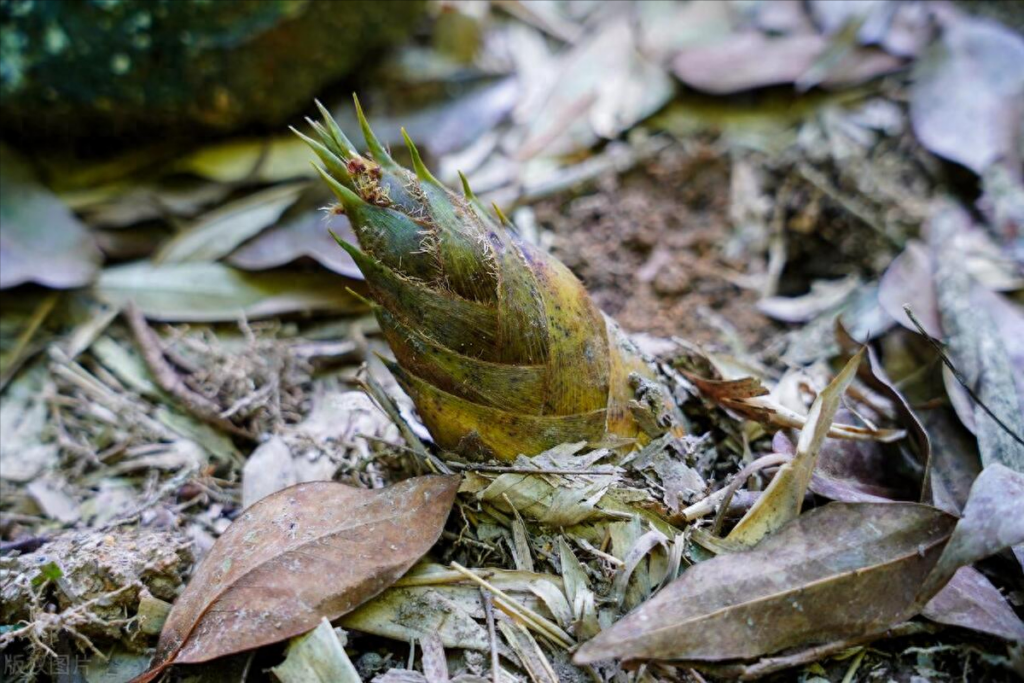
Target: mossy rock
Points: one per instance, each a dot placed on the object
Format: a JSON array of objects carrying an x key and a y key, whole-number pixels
[{"x": 114, "y": 68}]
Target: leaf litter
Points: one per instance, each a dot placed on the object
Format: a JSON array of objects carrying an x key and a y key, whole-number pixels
[{"x": 737, "y": 233}]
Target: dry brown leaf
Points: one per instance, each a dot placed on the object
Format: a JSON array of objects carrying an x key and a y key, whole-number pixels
[
  {"x": 842, "y": 570},
  {"x": 264, "y": 580}
]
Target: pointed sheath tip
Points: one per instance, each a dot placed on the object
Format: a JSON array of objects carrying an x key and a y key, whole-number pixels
[
  {"x": 338, "y": 169},
  {"x": 347, "y": 246},
  {"x": 393, "y": 367},
  {"x": 380, "y": 155},
  {"x": 316, "y": 146},
  {"x": 372, "y": 305},
  {"x": 422, "y": 172},
  {"x": 332, "y": 133},
  {"x": 466, "y": 190},
  {"x": 348, "y": 198},
  {"x": 501, "y": 215}
]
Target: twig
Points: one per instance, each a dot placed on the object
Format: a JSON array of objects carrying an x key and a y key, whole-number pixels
[
  {"x": 959, "y": 377},
  {"x": 170, "y": 381},
  {"x": 737, "y": 481},
  {"x": 168, "y": 487},
  {"x": 852, "y": 671},
  {"x": 19, "y": 353},
  {"x": 510, "y": 606},
  {"x": 248, "y": 663},
  {"x": 457, "y": 538},
  {"x": 610, "y": 559},
  {"x": 485, "y": 598}
]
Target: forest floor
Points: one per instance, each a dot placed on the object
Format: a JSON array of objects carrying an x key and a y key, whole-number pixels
[{"x": 739, "y": 216}]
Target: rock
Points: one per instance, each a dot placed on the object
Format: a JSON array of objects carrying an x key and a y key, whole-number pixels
[
  {"x": 94, "y": 580},
  {"x": 121, "y": 68}
]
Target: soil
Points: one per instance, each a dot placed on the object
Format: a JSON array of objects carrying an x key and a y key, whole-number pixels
[{"x": 650, "y": 247}]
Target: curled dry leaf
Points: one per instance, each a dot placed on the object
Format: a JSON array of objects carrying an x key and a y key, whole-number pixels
[
  {"x": 264, "y": 580},
  {"x": 747, "y": 397},
  {"x": 873, "y": 375},
  {"x": 784, "y": 497},
  {"x": 842, "y": 570}
]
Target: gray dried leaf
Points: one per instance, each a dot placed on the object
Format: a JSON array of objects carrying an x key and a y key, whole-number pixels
[
  {"x": 970, "y": 601},
  {"x": 48, "y": 493},
  {"x": 983, "y": 335},
  {"x": 24, "y": 453},
  {"x": 317, "y": 657},
  {"x": 41, "y": 241},
  {"x": 212, "y": 292},
  {"x": 435, "y": 665},
  {"x": 217, "y": 233},
  {"x": 908, "y": 280},
  {"x": 743, "y": 61},
  {"x": 405, "y": 613},
  {"x": 268, "y": 470},
  {"x": 303, "y": 233},
  {"x": 968, "y": 97},
  {"x": 992, "y": 520},
  {"x": 604, "y": 85}
]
